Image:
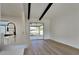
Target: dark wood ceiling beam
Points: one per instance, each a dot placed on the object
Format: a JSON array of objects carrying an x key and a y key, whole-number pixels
[
  {"x": 29, "y": 8},
  {"x": 47, "y": 8}
]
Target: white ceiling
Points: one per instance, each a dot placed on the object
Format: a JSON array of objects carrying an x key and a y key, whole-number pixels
[
  {"x": 56, "y": 10},
  {"x": 11, "y": 9},
  {"x": 37, "y": 10},
  {"x": 16, "y": 9},
  {"x": 50, "y": 13},
  {"x": 25, "y": 7}
]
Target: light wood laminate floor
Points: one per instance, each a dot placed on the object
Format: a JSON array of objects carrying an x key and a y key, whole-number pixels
[{"x": 50, "y": 47}]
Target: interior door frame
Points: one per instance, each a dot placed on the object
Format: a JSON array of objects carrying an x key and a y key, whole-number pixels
[{"x": 36, "y": 22}]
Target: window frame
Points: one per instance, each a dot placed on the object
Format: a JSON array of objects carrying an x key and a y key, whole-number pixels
[{"x": 37, "y": 23}]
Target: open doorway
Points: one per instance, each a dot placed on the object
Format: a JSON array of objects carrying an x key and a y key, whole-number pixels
[{"x": 36, "y": 30}]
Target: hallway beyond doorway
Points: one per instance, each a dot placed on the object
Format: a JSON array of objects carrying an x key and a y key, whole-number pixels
[{"x": 36, "y": 30}]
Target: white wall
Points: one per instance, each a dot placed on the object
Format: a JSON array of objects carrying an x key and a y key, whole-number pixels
[
  {"x": 0, "y": 11},
  {"x": 65, "y": 24}
]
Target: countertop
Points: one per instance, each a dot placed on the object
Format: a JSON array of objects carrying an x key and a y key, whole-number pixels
[
  {"x": 14, "y": 45},
  {"x": 16, "y": 40}
]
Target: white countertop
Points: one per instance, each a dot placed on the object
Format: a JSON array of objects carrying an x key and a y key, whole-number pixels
[
  {"x": 20, "y": 40},
  {"x": 14, "y": 47}
]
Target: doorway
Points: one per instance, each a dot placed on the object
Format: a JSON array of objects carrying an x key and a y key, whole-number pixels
[{"x": 36, "y": 30}]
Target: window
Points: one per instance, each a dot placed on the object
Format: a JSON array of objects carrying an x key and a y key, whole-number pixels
[
  {"x": 3, "y": 26},
  {"x": 2, "y": 29},
  {"x": 36, "y": 29}
]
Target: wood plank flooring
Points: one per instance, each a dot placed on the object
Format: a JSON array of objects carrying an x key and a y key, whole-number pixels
[{"x": 50, "y": 47}]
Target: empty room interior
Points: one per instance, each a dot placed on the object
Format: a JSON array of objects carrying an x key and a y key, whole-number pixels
[{"x": 39, "y": 28}]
